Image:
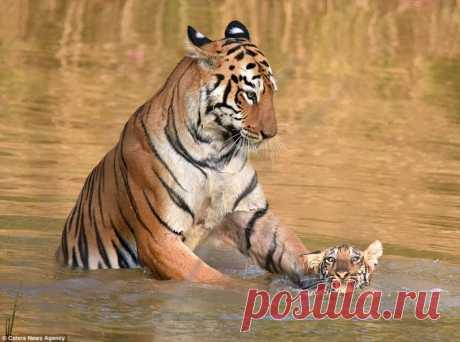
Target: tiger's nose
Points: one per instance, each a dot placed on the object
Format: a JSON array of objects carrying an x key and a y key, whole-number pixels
[
  {"x": 342, "y": 275},
  {"x": 267, "y": 135}
]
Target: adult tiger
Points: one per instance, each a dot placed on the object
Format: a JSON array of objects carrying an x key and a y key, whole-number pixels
[{"x": 181, "y": 166}]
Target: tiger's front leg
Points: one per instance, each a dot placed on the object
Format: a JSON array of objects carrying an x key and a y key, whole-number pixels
[
  {"x": 261, "y": 236},
  {"x": 167, "y": 257},
  {"x": 160, "y": 247}
]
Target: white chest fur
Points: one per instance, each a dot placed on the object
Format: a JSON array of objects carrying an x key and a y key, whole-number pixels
[{"x": 226, "y": 193}]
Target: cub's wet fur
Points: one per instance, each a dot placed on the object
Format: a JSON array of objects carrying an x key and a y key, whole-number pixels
[{"x": 343, "y": 264}]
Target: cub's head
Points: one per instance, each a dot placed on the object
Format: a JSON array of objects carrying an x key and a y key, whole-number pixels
[
  {"x": 344, "y": 263},
  {"x": 237, "y": 86}
]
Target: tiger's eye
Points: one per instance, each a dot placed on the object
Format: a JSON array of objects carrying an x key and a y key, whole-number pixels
[
  {"x": 355, "y": 259},
  {"x": 251, "y": 96},
  {"x": 330, "y": 259}
]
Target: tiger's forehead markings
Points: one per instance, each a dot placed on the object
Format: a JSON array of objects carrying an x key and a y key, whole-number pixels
[
  {"x": 233, "y": 40},
  {"x": 239, "y": 56},
  {"x": 249, "y": 48},
  {"x": 237, "y": 49},
  {"x": 344, "y": 250}
]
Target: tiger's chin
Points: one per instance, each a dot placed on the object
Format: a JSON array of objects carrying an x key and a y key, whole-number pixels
[
  {"x": 345, "y": 285},
  {"x": 332, "y": 285},
  {"x": 253, "y": 144},
  {"x": 250, "y": 138}
]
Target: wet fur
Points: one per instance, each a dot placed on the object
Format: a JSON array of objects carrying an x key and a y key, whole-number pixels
[
  {"x": 180, "y": 169},
  {"x": 344, "y": 263}
]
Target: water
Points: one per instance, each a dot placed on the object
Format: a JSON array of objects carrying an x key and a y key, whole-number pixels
[{"x": 369, "y": 147}]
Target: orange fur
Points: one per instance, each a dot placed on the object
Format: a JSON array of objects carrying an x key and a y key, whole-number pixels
[{"x": 173, "y": 173}]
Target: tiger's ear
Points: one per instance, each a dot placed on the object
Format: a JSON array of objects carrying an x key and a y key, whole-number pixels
[
  {"x": 197, "y": 38},
  {"x": 373, "y": 253},
  {"x": 312, "y": 261},
  {"x": 194, "y": 47},
  {"x": 235, "y": 29}
]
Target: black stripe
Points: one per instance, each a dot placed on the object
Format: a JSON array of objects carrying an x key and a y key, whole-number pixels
[
  {"x": 122, "y": 263},
  {"x": 249, "y": 188},
  {"x": 79, "y": 218},
  {"x": 89, "y": 191},
  {"x": 79, "y": 205},
  {"x": 126, "y": 246},
  {"x": 227, "y": 90},
  {"x": 248, "y": 230},
  {"x": 157, "y": 155},
  {"x": 230, "y": 130},
  {"x": 125, "y": 220},
  {"x": 123, "y": 217},
  {"x": 176, "y": 144},
  {"x": 139, "y": 110},
  {"x": 194, "y": 133},
  {"x": 220, "y": 78},
  {"x": 163, "y": 223},
  {"x": 250, "y": 84},
  {"x": 237, "y": 100},
  {"x": 115, "y": 155},
  {"x": 128, "y": 189},
  {"x": 249, "y": 44},
  {"x": 102, "y": 171},
  {"x": 232, "y": 41},
  {"x": 269, "y": 263},
  {"x": 93, "y": 221},
  {"x": 198, "y": 121},
  {"x": 99, "y": 197},
  {"x": 239, "y": 56},
  {"x": 74, "y": 258},
  {"x": 64, "y": 247},
  {"x": 233, "y": 49},
  {"x": 209, "y": 108},
  {"x": 194, "y": 130},
  {"x": 83, "y": 248},
  {"x": 221, "y": 104},
  {"x": 72, "y": 216},
  {"x": 280, "y": 259},
  {"x": 67, "y": 226},
  {"x": 226, "y": 157},
  {"x": 251, "y": 53},
  {"x": 176, "y": 198},
  {"x": 100, "y": 247},
  {"x": 259, "y": 52},
  {"x": 173, "y": 139}
]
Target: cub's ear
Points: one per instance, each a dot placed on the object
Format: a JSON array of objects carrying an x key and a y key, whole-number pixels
[
  {"x": 373, "y": 253},
  {"x": 312, "y": 261},
  {"x": 235, "y": 29}
]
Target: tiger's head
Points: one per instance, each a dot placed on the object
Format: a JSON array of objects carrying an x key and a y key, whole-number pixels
[
  {"x": 237, "y": 87},
  {"x": 344, "y": 263}
]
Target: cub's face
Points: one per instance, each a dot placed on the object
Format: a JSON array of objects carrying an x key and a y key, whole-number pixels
[
  {"x": 344, "y": 263},
  {"x": 239, "y": 86}
]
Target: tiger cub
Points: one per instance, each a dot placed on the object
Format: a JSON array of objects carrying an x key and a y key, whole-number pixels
[{"x": 342, "y": 264}]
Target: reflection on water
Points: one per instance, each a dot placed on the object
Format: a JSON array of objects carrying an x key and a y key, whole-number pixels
[{"x": 369, "y": 147}]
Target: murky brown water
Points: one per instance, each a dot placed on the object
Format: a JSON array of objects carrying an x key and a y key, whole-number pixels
[{"x": 369, "y": 112}]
